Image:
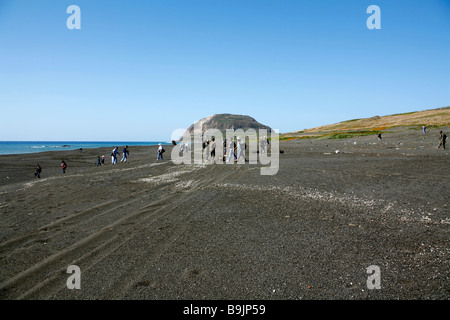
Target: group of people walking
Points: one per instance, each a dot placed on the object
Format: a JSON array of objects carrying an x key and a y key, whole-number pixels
[
  {"x": 100, "y": 161},
  {"x": 232, "y": 150},
  {"x": 236, "y": 149},
  {"x": 115, "y": 153}
]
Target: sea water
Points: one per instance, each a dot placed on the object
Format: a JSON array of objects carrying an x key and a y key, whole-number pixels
[{"x": 20, "y": 147}]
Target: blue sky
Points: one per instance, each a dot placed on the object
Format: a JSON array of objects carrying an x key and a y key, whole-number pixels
[{"x": 138, "y": 70}]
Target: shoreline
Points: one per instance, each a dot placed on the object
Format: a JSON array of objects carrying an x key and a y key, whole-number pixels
[{"x": 82, "y": 144}]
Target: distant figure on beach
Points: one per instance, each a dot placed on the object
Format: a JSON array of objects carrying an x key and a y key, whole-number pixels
[
  {"x": 207, "y": 147},
  {"x": 63, "y": 166},
  {"x": 224, "y": 155},
  {"x": 379, "y": 136},
  {"x": 240, "y": 149},
  {"x": 37, "y": 173},
  {"x": 424, "y": 128},
  {"x": 442, "y": 138},
  {"x": 114, "y": 154},
  {"x": 125, "y": 154},
  {"x": 160, "y": 152},
  {"x": 81, "y": 149},
  {"x": 103, "y": 160},
  {"x": 213, "y": 148},
  {"x": 99, "y": 161},
  {"x": 231, "y": 148},
  {"x": 263, "y": 144}
]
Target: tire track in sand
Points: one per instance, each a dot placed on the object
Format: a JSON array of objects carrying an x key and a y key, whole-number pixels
[
  {"x": 123, "y": 285},
  {"x": 33, "y": 281},
  {"x": 29, "y": 241},
  {"x": 101, "y": 242}
]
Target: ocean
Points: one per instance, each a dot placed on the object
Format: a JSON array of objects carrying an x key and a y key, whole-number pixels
[{"x": 20, "y": 147}]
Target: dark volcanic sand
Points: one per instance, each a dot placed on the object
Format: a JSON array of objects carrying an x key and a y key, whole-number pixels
[{"x": 149, "y": 230}]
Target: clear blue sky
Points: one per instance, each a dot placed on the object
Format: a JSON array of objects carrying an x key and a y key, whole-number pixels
[{"x": 137, "y": 70}]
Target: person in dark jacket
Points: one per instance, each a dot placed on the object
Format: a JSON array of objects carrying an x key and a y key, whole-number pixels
[
  {"x": 38, "y": 171},
  {"x": 213, "y": 148},
  {"x": 125, "y": 154},
  {"x": 63, "y": 166},
  {"x": 442, "y": 139}
]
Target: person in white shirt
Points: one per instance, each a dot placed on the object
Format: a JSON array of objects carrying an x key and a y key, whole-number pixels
[{"x": 160, "y": 152}]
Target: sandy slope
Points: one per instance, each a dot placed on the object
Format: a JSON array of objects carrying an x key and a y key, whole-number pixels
[{"x": 430, "y": 118}]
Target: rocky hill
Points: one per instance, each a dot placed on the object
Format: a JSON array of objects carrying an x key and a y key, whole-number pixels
[{"x": 229, "y": 121}]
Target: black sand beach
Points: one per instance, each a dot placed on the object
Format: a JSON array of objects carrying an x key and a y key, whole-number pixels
[{"x": 155, "y": 230}]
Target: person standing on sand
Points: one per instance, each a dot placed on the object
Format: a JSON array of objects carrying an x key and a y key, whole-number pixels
[
  {"x": 240, "y": 149},
  {"x": 213, "y": 148},
  {"x": 125, "y": 154},
  {"x": 261, "y": 145},
  {"x": 103, "y": 160},
  {"x": 264, "y": 144},
  {"x": 224, "y": 143},
  {"x": 63, "y": 166},
  {"x": 99, "y": 161},
  {"x": 424, "y": 128},
  {"x": 160, "y": 152},
  {"x": 442, "y": 139},
  {"x": 37, "y": 174},
  {"x": 114, "y": 154},
  {"x": 207, "y": 149},
  {"x": 231, "y": 148}
]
